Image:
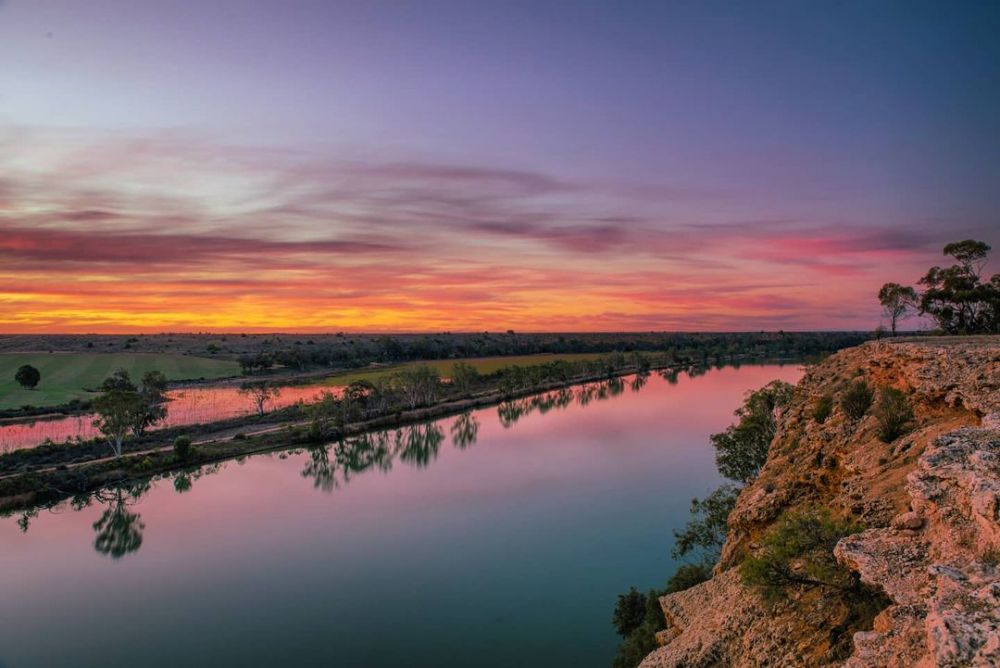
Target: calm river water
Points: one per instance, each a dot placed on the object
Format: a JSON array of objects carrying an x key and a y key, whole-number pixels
[{"x": 498, "y": 538}]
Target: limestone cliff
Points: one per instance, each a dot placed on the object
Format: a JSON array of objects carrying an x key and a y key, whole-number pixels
[{"x": 930, "y": 500}]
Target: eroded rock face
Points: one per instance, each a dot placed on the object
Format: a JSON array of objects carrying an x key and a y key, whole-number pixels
[
  {"x": 932, "y": 502},
  {"x": 943, "y": 578}
]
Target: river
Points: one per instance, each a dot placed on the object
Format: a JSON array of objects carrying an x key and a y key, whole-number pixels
[{"x": 496, "y": 538}]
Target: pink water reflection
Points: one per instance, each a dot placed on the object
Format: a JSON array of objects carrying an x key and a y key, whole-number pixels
[
  {"x": 186, "y": 406},
  {"x": 256, "y": 562}
]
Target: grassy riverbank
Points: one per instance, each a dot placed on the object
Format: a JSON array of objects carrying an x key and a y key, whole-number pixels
[{"x": 68, "y": 376}]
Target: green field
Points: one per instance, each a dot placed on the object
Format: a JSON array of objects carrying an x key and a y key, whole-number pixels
[
  {"x": 483, "y": 365},
  {"x": 66, "y": 376}
]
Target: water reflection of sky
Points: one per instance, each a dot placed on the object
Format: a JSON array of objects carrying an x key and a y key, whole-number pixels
[
  {"x": 507, "y": 551},
  {"x": 185, "y": 406}
]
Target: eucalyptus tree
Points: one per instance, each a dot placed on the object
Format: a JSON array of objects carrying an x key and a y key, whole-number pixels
[{"x": 897, "y": 302}]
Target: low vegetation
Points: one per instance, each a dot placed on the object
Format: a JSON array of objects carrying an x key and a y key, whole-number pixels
[
  {"x": 392, "y": 400},
  {"x": 822, "y": 408},
  {"x": 798, "y": 551},
  {"x": 893, "y": 414},
  {"x": 856, "y": 399},
  {"x": 182, "y": 446},
  {"x": 796, "y": 554}
]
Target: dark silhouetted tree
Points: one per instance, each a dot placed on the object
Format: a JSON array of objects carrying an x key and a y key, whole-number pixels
[
  {"x": 956, "y": 297},
  {"x": 28, "y": 376}
]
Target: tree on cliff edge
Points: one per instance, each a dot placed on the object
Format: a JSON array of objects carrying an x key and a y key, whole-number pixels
[{"x": 897, "y": 301}]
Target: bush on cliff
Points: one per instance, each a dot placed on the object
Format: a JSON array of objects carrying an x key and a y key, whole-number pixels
[
  {"x": 822, "y": 408},
  {"x": 893, "y": 413},
  {"x": 705, "y": 532},
  {"x": 688, "y": 576},
  {"x": 741, "y": 450},
  {"x": 856, "y": 400},
  {"x": 638, "y": 617},
  {"x": 630, "y": 611},
  {"x": 798, "y": 551}
]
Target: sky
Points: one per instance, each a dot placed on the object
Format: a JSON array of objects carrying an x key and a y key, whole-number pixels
[{"x": 243, "y": 165}]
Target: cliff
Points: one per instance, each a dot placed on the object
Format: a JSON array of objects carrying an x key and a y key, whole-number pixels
[{"x": 930, "y": 502}]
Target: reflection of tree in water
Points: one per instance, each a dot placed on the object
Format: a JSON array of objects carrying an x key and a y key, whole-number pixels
[
  {"x": 350, "y": 456},
  {"x": 363, "y": 452},
  {"x": 509, "y": 412},
  {"x": 699, "y": 370},
  {"x": 319, "y": 469},
  {"x": 464, "y": 430},
  {"x": 24, "y": 521},
  {"x": 639, "y": 381},
  {"x": 611, "y": 388},
  {"x": 586, "y": 393},
  {"x": 119, "y": 530},
  {"x": 670, "y": 375},
  {"x": 419, "y": 443},
  {"x": 184, "y": 480}
]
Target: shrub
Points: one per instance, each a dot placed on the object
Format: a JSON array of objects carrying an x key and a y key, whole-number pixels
[
  {"x": 630, "y": 611},
  {"x": 705, "y": 532},
  {"x": 741, "y": 450},
  {"x": 641, "y": 639},
  {"x": 145, "y": 464},
  {"x": 182, "y": 446},
  {"x": 893, "y": 412},
  {"x": 688, "y": 576},
  {"x": 857, "y": 399},
  {"x": 798, "y": 551},
  {"x": 638, "y": 616},
  {"x": 822, "y": 408}
]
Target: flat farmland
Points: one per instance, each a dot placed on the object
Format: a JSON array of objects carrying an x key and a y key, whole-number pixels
[
  {"x": 68, "y": 376},
  {"x": 483, "y": 365}
]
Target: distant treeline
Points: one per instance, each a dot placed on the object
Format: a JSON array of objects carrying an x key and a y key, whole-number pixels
[
  {"x": 346, "y": 350},
  {"x": 685, "y": 348}
]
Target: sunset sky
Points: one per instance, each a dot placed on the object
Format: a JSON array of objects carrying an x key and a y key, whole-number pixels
[{"x": 476, "y": 165}]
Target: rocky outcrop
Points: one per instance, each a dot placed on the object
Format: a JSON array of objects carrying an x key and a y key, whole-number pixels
[
  {"x": 931, "y": 500},
  {"x": 938, "y": 562}
]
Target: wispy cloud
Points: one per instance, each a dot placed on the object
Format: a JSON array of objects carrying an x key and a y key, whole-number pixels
[{"x": 167, "y": 231}]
